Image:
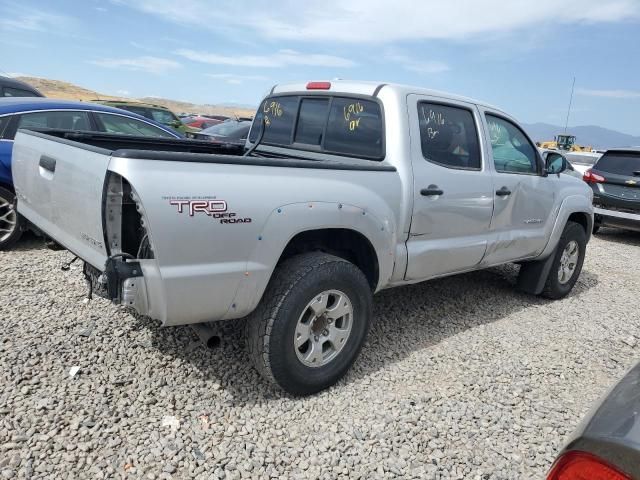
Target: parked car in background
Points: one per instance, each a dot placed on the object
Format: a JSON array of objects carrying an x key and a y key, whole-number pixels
[
  {"x": 606, "y": 445},
  {"x": 45, "y": 113},
  {"x": 231, "y": 131},
  {"x": 347, "y": 188},
  {"x": 583, "y": 161},
  {"x": 157, "y": 113},
  {"x": 202, "y": 123},
  {"x": 615, "y": 181},
  {"x": 551, "y": 156},
  {"x": 10, "y": 87}
]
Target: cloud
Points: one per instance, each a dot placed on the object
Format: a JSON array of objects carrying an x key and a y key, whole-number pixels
[
  {"x": 142, "y": 64},
  {"x": 233, "y": 79},
  {"x": 17, "y": 18},
  {"x": 622, "y": 94},
  {"x": 380, "y": 21},
  {"x": 124, "y": 93},
  {"x": 415, "y": 65},
  {"x": 280, "y": 59}
]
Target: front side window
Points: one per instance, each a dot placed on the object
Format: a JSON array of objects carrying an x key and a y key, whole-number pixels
[
  {"x": 18, "y": 92},
  {"x": 512, "y": 150},
  {"x": 63, "y": 120},
  {"x": 449, "y": 136},
  {"x": 121, "y": 125},
  {"x": 336, "y": 125}
]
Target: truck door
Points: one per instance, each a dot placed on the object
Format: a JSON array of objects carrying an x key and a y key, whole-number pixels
[
  {"x": 453, "y": 189},
  {"x": 523, "y": 214}
]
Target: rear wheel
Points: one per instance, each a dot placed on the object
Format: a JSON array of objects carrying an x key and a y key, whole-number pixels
[
  {"x": 567, "y": 264},
  {"x": 10, "y": 221},
  {"x": 311, "y": 323}
]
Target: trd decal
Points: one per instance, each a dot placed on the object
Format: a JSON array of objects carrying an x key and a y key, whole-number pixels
[
  {"x": 214, "y": 208},
  {"x": 206, "y": 206}
]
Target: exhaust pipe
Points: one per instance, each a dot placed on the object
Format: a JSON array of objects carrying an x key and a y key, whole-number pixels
[{"x": 208, "y": 335}]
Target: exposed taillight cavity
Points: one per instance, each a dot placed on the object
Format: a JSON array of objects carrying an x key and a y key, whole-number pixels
[
  {"x": 318, "y": 85},
  {"x": 126, "y": 229},
  {"x": 575, "y": 465},
  {"x": 591, "y": 177}
]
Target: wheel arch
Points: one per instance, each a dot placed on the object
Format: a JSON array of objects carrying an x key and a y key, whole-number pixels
[
  {"x": 574, "y": 208},
  {"x": 347, "y": 231}
]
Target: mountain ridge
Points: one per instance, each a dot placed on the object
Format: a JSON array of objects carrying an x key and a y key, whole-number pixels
[{"x": 592, "y": 135}]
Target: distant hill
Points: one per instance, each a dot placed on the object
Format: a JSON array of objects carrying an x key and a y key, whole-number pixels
[
  {"x": 597, "y": 137},
  {"x": 69, "y": 91}
]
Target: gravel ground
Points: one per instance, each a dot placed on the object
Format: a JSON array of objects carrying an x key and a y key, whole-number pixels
[{"x": 460, "y": 378}]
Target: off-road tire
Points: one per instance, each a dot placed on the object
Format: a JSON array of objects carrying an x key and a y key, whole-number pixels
[
  {"x": 270, "y": 329},
  {"x": 11, "y": 240},
  {"x": 553, "y": 289}
]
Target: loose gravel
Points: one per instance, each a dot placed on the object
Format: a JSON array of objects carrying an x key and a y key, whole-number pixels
[{"x": 460, "y": 378}]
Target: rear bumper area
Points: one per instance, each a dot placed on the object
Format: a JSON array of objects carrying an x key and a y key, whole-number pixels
[
  {"x": 122, "y": 282},
  {"x": 617, "y": 218}
]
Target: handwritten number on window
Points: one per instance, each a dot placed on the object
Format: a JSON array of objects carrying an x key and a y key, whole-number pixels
[{"x": 352, "y": 114}]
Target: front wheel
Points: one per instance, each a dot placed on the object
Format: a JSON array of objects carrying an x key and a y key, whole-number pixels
[
  {"x": 311, "y": 322},
  {"x": 10, "y": 221},
  {"x": 567, "y": 264}
]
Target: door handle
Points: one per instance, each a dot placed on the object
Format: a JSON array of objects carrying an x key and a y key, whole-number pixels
[
  {"x": 431, "y": 191},
  {"x": 503, "y": 192},
  {"x": 48, "y": 163}
]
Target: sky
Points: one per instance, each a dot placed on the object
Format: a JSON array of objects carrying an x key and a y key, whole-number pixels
[{"x": 520, "y": 55}]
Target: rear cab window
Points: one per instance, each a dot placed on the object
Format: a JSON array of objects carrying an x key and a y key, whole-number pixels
[
  {"x": 331, "y": 124},
  {"x": 620, "y": 163}
]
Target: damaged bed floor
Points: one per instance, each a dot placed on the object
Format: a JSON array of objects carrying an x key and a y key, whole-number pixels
[{"x": 460, "y": 378}]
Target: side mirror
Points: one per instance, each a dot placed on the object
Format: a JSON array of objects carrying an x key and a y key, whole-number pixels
[{"x": 556, "y": 163}]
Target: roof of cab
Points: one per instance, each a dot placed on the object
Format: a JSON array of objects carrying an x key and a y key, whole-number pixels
[
  {"x": 372, "y": 88},
  {"x": 9, "y": 105}
]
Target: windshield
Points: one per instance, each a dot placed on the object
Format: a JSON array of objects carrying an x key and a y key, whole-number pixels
[{"x": 228, "y": 129}]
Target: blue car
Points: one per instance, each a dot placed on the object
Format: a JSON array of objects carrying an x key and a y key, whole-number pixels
[{"x": 39, "y": 113}]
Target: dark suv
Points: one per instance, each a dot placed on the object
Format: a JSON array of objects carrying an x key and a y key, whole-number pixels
[
  {"x": 10, "y": 87},
  {"x": 615, "y": 180}
]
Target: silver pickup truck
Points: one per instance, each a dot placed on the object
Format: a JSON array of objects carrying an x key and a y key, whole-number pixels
[{"x": 346, "y": 188}]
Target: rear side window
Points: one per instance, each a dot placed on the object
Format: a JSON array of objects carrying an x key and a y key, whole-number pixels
[
  {"x": 449, "y": 136},
  {"x": 327, "y": 124},
  {"x": 129, "y": 126},
  {"x": 66, "y": 120},
  {"x": 619, "y": 163},
  {"x": 18, "y": 92}
]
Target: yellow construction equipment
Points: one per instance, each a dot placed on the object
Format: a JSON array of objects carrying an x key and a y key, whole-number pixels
[{"x": 565, "y": 143}]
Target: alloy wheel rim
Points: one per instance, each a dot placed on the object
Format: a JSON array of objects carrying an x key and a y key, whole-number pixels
[
  {"x": 568, "y": 262},
  {"x": 8, "y": 219},
  {"x": 323, "y": 328}
]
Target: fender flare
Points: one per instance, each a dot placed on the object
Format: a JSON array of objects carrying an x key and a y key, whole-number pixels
[
  {"x": 287, "y": 221},
  {"x": 570, "y": 205}
]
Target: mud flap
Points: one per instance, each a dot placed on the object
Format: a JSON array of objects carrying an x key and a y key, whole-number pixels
[{"x": 533, "y": 275}]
